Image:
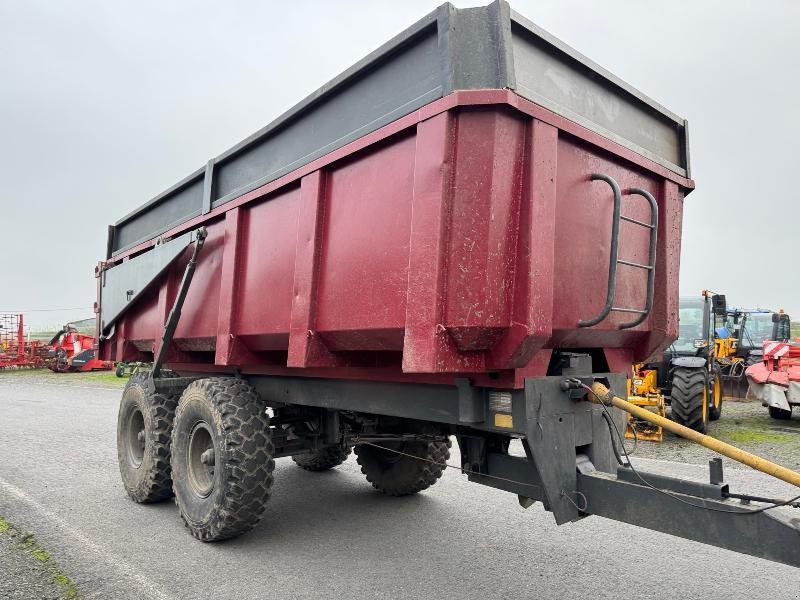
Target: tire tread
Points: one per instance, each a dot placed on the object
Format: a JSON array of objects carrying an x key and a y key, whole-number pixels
[
  {"x": 686, "y": 399},
  {"x": 322, "y": 460},
  {"x": 157, "y": 483},
  {"x": 249, "y": 459},
  {"x": 417, "y": 475}
]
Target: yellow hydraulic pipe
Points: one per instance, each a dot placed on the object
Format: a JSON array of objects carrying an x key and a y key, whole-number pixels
[{"x": 601, "y": 395}]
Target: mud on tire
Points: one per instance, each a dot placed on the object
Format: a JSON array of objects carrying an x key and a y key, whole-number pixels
[
  {"x": 222, "y": 458},
  {"x": 397, "y": 475},
  {"x": 322, "y": 460},
  {"x": 144, "y": 427},
  {"x": 689, "y": 390}
]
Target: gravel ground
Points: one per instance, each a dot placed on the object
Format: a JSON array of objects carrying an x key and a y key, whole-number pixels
[{"x": 745, "y": 424}]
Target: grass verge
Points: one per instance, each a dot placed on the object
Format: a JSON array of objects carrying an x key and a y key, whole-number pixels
[
  {"x": 100, "y": 378},
  {"x": 26, "y": 543}
]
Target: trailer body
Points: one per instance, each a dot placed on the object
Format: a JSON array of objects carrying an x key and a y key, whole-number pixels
[
  {"x": 410, "y": 220},
  {"x": 451, "y": 238}
]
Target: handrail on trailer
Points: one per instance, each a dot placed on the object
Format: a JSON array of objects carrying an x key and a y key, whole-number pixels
[{"x": 614, "y": 260}]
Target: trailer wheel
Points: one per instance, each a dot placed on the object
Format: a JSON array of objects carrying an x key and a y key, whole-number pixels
[
  {"x": 222, "y": 458},
  {"x": 144, "y": 427},
  {"x": 322, "y": 460},
  {"x": 779, "y": 413},
  {"x": 399, "y": 475},
  {"x": 689, "y": 398}
]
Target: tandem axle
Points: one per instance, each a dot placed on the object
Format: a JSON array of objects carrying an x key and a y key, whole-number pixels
[{"x": 401, "y": 434}]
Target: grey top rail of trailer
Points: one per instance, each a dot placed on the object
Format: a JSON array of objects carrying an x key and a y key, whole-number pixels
[{"x": 451, "y": 49}]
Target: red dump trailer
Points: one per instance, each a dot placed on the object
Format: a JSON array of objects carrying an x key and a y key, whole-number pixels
[{"x": 446, "y": 240}]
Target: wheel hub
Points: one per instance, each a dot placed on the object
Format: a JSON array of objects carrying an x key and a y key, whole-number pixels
[
  {"x": 136, "y": 438},
  {"x": 202, "y": 460},
  {"x": 207, "y": 457}
]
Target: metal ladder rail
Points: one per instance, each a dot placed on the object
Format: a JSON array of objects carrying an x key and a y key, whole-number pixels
[
  {"x": 651, "y": 266},
  {"x": 614, "y": 259}
]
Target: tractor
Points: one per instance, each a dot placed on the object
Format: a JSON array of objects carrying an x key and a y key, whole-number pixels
[
  {"x": 715, "y": 344},
  {"x": 758, "y": 326},
  {"x": 689, "y": 375}
]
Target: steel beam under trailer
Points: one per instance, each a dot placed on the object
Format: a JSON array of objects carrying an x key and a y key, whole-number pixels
[{"x": 569, "y": 465}]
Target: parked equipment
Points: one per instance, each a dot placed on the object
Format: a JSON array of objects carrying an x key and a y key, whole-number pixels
[
  {"x": 127, "y": 369},
  {"x": 72, "y": 351},
  {"x": 716, "y": 344},
  {"x": 689, "y": 374},
  {"x": 15, "y": 351},
  {"x": 758, "y": 326},
  {"x": 438, "y": 243},
  {"x": 776, "y": 380},
  {"x": 643, "y": 391}
]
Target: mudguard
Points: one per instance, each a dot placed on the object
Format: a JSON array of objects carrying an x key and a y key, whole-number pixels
[{"x": 688, "y": 361}]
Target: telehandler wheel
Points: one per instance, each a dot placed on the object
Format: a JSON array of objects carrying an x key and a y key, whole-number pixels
[
  {"x": 397, "y": 475},
  {"x": 689, "y": 398},
  {"x": 779, "y": 413},
  {"x": 322, "y": 460},
  {"x": 222, "y": 458},
  {"x": 715, "y": 401},
  {"x": 144, "y": 427}
]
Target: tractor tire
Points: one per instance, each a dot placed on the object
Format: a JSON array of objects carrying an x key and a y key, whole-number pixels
[
  {"x": 779, "y": 413},
  {"x": 222, "y": 458},
  {"x": 398, "y": 475},
  {"x": 715, "y": 397},
  {"x": 689, "y": 398},
  {"x": 119, "y": 371},
  {"x": 144, "y": 429},
  {"x": 322, "y": 460}
]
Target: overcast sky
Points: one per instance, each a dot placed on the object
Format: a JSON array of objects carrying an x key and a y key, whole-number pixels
[{"x": 105, "y": 104}]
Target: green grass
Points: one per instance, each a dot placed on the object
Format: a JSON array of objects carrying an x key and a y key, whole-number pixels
[
  {"x": 100, "y": 378},
  {"x": 26, "y": 543},
  {"x": 40, "y": 555},
  {"x": 750, "y": 436}
]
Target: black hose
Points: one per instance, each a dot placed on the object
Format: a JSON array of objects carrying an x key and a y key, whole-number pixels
[{"x": 607, "y": 418}]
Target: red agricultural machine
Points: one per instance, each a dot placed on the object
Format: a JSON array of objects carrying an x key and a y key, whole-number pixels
[
  {"x": 15, "y": 352},
  {"x": 72, "y": 351},
  {"x": 775, "y": 381}
]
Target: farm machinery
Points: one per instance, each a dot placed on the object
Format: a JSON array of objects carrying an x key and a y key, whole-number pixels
[
  {"x": 757, "y": 327},
  {"x": 775, "y": 380},
  {"x": 15, "y": 351},
  {"x": 716, "y": 344},
  {"x": 644, "y": 392},
  {"x": 72, "y": 351},
  {"x": 447, "y": 241},
  {"x": 688, "y": 376}
]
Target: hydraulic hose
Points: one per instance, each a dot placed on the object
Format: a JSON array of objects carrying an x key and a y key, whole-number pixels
[{"x": 600, "y": 394}]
